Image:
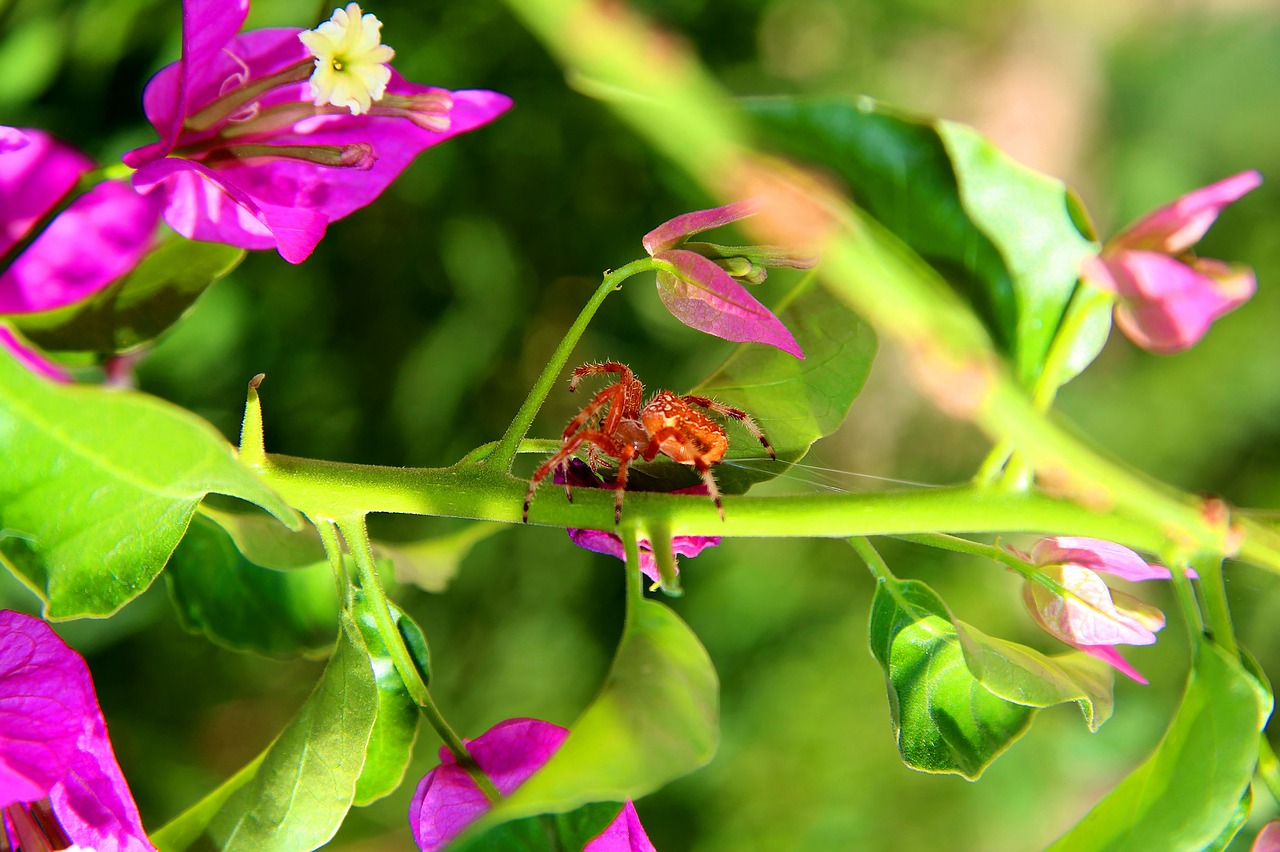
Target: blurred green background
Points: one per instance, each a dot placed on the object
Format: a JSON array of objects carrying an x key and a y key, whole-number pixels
[{"x": 414, "y": 331}]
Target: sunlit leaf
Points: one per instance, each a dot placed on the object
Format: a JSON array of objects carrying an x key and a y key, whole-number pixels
[
  {"x": 140, "y": 305},
  {"x": 306, "y": 783},
  {"x": 98, "y": 487},
  {"x": 240, "y": 603},
  {"x": 1188, "y": 792},
  {"x": 1006, "y": 237},
  {"x": 1025, "y": 676},
  {"x": 396, "y": 729},
  {"x": 432, "y": 563},
  {"x": 944, "y": 719},
  {"x": 656, "y": 719}
]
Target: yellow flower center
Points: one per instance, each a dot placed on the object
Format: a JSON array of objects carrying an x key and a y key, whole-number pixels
[{"x": 351, "y": 60}]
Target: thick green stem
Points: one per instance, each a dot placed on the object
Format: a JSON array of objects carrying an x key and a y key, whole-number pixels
[
  {"x": 357, "y": 536},
  {"x": 332, "y": 490},
  {"x": 508, "y": 445}
]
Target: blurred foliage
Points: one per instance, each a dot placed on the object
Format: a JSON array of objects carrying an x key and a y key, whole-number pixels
[{"x": 414, "y": 331}]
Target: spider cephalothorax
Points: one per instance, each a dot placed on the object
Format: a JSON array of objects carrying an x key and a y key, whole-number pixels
[{"x": 617, "y": 422}]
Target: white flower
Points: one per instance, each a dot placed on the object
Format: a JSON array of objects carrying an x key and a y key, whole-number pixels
[{"x": 351, "y": 60}]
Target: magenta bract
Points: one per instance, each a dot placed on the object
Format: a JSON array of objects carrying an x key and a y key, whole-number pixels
[
  {"x": 276, "y": 169},
  {"x": 447, "y": 800},
  {"x": 98, "y": 238},
  {"x": 30, "y": 357},
  {"x": 1168, "y": 299},
  {"x": 11, "y": 139},
  {"x": 708, "y": 295},
  {"x": 54, "y": 748},
  {"x": 610, "y": 544}
]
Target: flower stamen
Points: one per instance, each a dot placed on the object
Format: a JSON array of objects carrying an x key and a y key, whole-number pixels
[{"x": 351, "y": 62}]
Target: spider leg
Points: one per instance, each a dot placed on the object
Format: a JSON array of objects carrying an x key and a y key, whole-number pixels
[
  {"x": 737, "y": 414},
  {"x": 608, "y": 396},
  {"x": 620, "y": 486},
  {"x": 628, "y": 392},
  {"x": 561, "y": 458},
  {"x": 709, "y": 479}
]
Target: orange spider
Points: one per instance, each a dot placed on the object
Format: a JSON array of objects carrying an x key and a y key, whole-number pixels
[{"x": 631, "y": 428}]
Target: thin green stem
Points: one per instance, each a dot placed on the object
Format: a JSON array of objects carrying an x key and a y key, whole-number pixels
[
  {"x": 1213, "y": 591},
  {"x": 357, "y": 535},
  {"x": 333, "y": 549},
  {"x": 1084, "y": 305},
  {"x": 504, "y": 453},
  {"x": 635, "y": 587},
  {"x": 875, "y": 563},
  {"x": 992, "y": 466},
  {"x": 1186, "y": 597},
  {"x": 956, "y": 544}
]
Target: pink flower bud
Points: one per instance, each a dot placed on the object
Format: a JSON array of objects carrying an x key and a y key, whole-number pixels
[
  {"x": 1168, "y": 299},
  {"x": 1091, "y": 616}
]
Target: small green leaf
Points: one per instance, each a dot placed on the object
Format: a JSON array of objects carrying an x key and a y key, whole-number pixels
[
  {"x": 99, "y": 485},
  {"x": 1004, "y": 236},
  {"x": 391, "y": 744},
  {"x": 432, "y": 563},
  {"x": 1186, "y": 794},
  {"x": 266, "y": 542},
  {"x": 1028, "y": 216},
  {"x": 1025, "y": 676},
  {"x": 795, "y": 402},
  {"x": 944, "y": 719},
  {"x": 656, "y": 719},
  {"x": 552, "y": 832},
  {"x": 140, "y": 305},
  {"x": 305, "y": 784},
  {"x": 240, "y": 603}
]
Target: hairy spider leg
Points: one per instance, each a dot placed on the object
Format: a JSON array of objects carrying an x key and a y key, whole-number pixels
[
  {"x": 671, "y": 433},
  {"x": 590, "y": 412},
  {"x": 607, "y": 444},
  {"x": 628, "y": 389},
  {"x": 737, "y": 414}
]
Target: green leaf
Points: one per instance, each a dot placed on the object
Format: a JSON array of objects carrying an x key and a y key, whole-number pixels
[
  {"x": 1029, "y": 217},
  {"x": 944, "y": 719},
  {"x": 1005, "y": 236},
  {"x": 140, "y": 305},
  {"x": 432, "y": 563},
  {"x": 396, "y": 729},
  {"x": 305, "y": 784},
  {"x": 1187, "y": 793},
  {"x": 266, "y": 542},
  {"x": 241, "y": 603},
  {"x": 99, "y": 485},
  {"x": 1025, "y": 676},
  {"x": 795, "y": 402},
  {"x": 552, "y": 832},
  {"x": 656, "y": 719}
]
